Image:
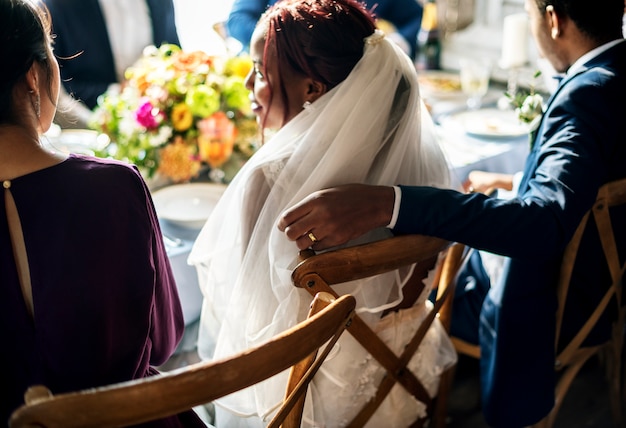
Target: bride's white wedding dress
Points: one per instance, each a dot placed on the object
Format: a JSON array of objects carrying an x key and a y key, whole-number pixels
[{"x": 372, "y": 128}]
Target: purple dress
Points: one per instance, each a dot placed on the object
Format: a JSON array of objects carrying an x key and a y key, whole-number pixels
[{"x": 105, "y": 301}]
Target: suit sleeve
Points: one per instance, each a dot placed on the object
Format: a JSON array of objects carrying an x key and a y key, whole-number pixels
[
  {"x": 580, "y": 149},
  {"x": 163, "y": 18},
  {"x": 405, "y": 15},
  {"x": 243, "y": 18}
]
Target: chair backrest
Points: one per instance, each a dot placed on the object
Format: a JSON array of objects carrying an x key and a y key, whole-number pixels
[
  {"x": 159, "y": 396},
  {"x": 318, "y": 272},
  {"x": 610, "y": 195},
  {"x": 572, "y": 356}
]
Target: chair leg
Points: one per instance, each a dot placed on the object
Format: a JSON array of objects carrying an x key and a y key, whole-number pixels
[
  {"x": 440, "y": 408},
  {"x": 544, "y": 423},
  {"x": 563, "y": 384},
  {"x": 613, "y": 355},
  {"x": 623, "y": 372},
  {"x": 420, "y": 423}
]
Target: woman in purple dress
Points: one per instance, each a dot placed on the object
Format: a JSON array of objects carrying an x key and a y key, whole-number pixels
[{"x": 104, "y": 304}]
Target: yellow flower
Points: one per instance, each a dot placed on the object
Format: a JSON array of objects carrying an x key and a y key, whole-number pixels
[
  {"x": 182, "y": 119},
  {"x": 178, "y": 162},
  {"x": 238, "y": 66}
]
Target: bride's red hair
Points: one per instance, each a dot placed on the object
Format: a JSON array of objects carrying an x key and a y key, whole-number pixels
[{"x": 320, "y": 39}]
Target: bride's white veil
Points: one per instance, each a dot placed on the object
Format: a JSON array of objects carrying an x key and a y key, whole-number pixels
[{"x": 371, "y": 128}]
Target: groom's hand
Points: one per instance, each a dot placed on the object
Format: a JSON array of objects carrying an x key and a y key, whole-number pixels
[{"x": 334, "y": 216}]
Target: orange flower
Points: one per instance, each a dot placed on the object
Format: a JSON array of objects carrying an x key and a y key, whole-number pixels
[
  {"x": 178, "y": 161},
  {"x": 190, "y": 61},
  {"x": 139, "y": 77},
  {"x": 216, "y": 139}
]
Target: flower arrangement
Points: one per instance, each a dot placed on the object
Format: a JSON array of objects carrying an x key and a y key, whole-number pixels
[
  {"x": 528, "y": 105},
  {"x": 177, "y": 111}
]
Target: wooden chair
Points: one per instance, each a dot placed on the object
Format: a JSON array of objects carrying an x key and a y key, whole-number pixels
[
  {"x": 446, "y": 280},
  {"x": 570, "y": 360},
  {"x": 573, "y": 356},
  {"x": 318, "y": 272},
  {"x": 155, "y": 397},
  {"x": 465, "y": 348},
  {"x": 462, "y": 346}
]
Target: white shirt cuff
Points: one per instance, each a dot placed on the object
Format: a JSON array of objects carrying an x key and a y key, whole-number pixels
[
  {"x": 517, "y": 180},
  {"x": 396, "y": 207}
]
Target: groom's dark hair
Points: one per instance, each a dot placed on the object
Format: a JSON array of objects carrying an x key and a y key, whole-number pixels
[{"x": 601, "y": 21}]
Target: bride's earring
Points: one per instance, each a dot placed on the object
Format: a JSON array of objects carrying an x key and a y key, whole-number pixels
[
  {"x": 306, "y": 104},
  {"x": 36, "y": 103}
]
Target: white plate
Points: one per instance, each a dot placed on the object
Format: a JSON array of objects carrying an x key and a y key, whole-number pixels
[
  {"x": 439, "y": 84},
  {"x": 490, "y": 123},
  {"x": 84, "y": 141},
  {"x": 188, "y": 205}
]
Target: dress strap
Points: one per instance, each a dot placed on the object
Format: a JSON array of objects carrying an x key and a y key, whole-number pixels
[{"x": 19, "y": 247}]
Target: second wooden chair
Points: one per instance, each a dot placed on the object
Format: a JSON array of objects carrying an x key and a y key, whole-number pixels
[
  {"x": 155, "y": 397},
  {"x": 318, "y": 272}
]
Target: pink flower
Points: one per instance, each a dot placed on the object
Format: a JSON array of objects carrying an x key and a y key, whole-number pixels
[{"x": 148, "y": 116}]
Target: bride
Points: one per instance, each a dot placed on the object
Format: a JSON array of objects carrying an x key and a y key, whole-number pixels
[{"x": 345, "y": 105}]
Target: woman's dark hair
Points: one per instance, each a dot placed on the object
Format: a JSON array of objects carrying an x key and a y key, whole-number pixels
[
  {"x": 320, "y": 39},
  {"x": 602, "y": 21},
  {"x": 24, "y": 37}
]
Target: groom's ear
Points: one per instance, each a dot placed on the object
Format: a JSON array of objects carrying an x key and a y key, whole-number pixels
[{"x": 554, "y": 21}]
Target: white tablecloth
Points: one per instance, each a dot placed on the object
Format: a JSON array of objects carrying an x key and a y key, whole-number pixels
[
  {"x": 466, "y": 153},
  {"x": 185, "y": 275}
]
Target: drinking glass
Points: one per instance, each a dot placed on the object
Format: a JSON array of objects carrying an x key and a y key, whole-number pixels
[
  {"x": 216, "y": 142},
  {"x": 475, "y": 75},
  {"x": 216, "y": 152}
]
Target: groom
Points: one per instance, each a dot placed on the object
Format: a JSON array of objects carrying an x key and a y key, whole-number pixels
[{"x": 579, "y": 146}]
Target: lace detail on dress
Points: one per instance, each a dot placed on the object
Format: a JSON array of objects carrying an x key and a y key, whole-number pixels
[
  {"x": 272, "y": 170},
  {"x": 353, "y": 375}
]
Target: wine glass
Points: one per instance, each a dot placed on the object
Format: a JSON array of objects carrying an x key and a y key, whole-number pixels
[
  {"x": 475, "y": 73},
  {"x": 216, "y": 151},
  {"x": 216, "y": 142}
]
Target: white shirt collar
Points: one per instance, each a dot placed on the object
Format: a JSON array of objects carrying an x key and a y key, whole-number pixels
[
  {"x": 590, "y": 55},
  {"x": 129, "y": 29}
]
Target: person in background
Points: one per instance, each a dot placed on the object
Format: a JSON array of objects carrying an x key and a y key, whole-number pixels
[
  {"x": 97, "y": 40},
  {"x": 318, "y": 95},
  {"x": 87, "y": 296},
  {"x": 404, "y": 15},
  {"x": 578, "y": 147}
]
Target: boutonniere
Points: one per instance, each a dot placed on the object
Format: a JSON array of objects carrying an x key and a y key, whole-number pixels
[{"x": 528, "y": 107}]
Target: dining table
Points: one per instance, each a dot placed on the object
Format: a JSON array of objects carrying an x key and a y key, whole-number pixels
[{"x": 466, "y": 152}]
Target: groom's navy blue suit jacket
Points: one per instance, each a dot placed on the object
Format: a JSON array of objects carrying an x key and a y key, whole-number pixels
[
  {"x": 580, "y": 145},
  {"x": 80, "y": 27}
]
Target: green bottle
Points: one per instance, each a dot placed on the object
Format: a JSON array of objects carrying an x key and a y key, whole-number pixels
[{"x": 428, "y": 41}]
